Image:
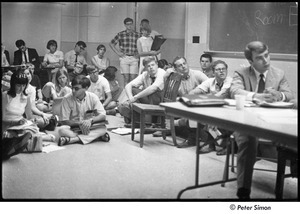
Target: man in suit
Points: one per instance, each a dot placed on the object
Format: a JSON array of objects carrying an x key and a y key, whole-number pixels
[
  {"x": 258, "y": 82},
  {"x": 26, "y": 55}
]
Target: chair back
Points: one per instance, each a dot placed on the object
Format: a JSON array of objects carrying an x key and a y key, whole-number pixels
[{"x": 171, "y": 87}]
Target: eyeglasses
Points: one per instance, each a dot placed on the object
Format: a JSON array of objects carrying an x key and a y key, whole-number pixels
[
  {"x": 221, "y": 69},
  {"x": 94, "y": 72},
  {"x": 81, "y": 48},
  {"x": 76, "y": 88}
]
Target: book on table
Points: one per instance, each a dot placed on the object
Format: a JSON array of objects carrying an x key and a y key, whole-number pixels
[{"x": 196, "y": 100}]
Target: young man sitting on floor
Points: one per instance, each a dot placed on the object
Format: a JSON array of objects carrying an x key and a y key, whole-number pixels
[{"x": 83, "y": 109}]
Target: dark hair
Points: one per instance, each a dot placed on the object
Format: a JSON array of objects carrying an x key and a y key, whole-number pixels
[
  {"x": 218, "y": 62},
  {"x": 81, "y": 43},
  {"x": 162, "y": 63},
  {"x": 60, "y": 72},
  {"x": 176, "y": 59},
  {"x": 101, "y": 46},
  {"x": 145, "y": 20},
  {"x": 17, "y": 77},
  {"x": 81, "y": 80},
  {"x": 255, "y": 46},
  {"x": 20, "y": 43},
  {"x": 128, "y": 20},
  {"x": 206, "y": 56},
  {"x": 51, "y": 42},
  {"x": 148, "y": 59},
  {"x": 110, "y": 73},
  {"x": 146, "y": 28}
]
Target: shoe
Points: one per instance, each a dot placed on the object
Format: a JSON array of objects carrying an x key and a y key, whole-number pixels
[
  {"x": 14, "y": 146},
  {"x": 63, "y": 141},
  {"x": 104, "y": 138},
  {"x": 111, "y": 112},
  {"x": 160, "y": 133},
  {"x": 222, "y": 152},
  {"x": 186, "y": 143},
  {"x": 243, "y": 193},
  {"x": 206, "y": 149}
]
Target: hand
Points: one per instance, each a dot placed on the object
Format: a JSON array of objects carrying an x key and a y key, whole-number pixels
[
  {"x": 132, "y": 99},
  {"x": 46, "y": 120},
  {"x": 85, "y": 126},
  {"x": 263, "y": 98},
  {"x": 22, "y": 121},
  {"x": 276, "y": 95},
  {"x": 44, "y": 64}
]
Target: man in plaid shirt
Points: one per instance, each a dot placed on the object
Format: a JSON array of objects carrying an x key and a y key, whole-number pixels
[{"x": 127, "y": 51}]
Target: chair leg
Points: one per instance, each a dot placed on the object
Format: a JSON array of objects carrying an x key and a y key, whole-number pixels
[
  {"x": 280, "y": 174},
  {"x": 142, "y": 128},
  {"x": 232, "y": 143},
  {"x": 163, "y": 125},
  {"x": 172, "y": 126},
  {"x": 132, "y": 123},
  {"x": 226, "y": 167}
]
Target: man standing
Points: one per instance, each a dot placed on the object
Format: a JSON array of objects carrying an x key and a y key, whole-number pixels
[
  {"x": 75, "y": 61},
  {"x": 127, "y": 51},
  {"x": 190, "y": 80},
  {"x": 258, "y": 82},
  {"x": 218, "y": 86},
  {"x": 26, "y": 55},
  {"x": 152, "y": 82},
  {"x": 82, "y": 109},
  {"x": 205, "y": 63}
]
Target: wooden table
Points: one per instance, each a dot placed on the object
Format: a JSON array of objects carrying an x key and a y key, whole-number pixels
[{"x": 274, "y": 124}]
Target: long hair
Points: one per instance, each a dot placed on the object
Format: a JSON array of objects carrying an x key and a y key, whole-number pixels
[
  {"x": 60, "y": 72},
  {"x": 17, "y": 78}
]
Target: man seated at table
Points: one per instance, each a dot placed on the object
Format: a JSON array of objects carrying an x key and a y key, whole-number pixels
[
  {"x": 205, "y": 64},
  {"x": 191, "y": 79},
  {"x": 218, "y": 86},
  {"x": 82, "y": 109},
  {"x": 152, "y": 83},
  {"x": 259, "y": 82}
]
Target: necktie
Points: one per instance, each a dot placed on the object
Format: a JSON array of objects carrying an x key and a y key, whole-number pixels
[
  {"x": 76, "y": 57},
  {"x": 25, "y": 57},
  {"x": 152, "y": 79},
  {"x": 219, "y": 86},
  {"x": 261, "y": 84}
]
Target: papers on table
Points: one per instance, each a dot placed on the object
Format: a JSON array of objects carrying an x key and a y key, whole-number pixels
[
  {"x": 124, "y": 131},
  {"x": 277, "y": 105},
  {"x": 232, "y": 102}
]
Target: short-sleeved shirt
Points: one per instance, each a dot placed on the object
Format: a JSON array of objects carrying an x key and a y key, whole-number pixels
[
  {"x": 70, "y": 58},
  {"x": 74, "y": 109},
  {"x": 145, "y": 80},
  {"x": 54, "y": 58},
  {"x": 194, "y": 79},
  {"x": 102, "y": 63},
  {"x": 100, "y": 88},
  {"x": 127, "y": 42},
  {"x": 210, "y": 86}
]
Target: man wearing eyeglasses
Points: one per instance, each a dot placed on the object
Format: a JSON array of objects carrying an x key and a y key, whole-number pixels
[
  {"x": 75, "y": 61},
  {"x": 218, "y": 86},
  {"x": 127, "y": 51}
]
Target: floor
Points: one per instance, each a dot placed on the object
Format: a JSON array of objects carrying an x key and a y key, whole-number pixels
[{"x": 121, "y": 170}]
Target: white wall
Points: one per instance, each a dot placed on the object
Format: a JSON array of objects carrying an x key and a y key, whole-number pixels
[
  {"x": 198, "y": 25},
  {"x": 35, "y": 23}
]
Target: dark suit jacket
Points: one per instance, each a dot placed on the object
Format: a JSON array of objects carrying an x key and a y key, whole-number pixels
[
  {"x": 33, "y": 58},
  {"x": 244, "y": 81},
  {"x": 7, "y": 56}
]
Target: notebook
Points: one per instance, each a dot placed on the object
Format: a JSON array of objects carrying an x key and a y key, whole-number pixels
[{"x": 201, "y": 100}]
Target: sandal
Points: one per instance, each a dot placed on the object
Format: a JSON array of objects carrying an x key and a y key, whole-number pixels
[
  {"x": 63, "y": 141},
  {"x": 105, "y": 138}
]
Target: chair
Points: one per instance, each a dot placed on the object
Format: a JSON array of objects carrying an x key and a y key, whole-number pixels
[
  {"x": 283, "y": 154},
  {"x": 140, "y": 110}
]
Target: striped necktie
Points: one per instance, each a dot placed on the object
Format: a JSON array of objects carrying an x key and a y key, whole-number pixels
[{"x": 261, "y": 84}]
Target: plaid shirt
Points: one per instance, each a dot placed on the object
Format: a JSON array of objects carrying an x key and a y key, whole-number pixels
[{"x": 127, "y": 42}]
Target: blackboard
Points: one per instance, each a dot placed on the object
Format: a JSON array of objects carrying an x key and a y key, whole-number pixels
[{"x": 233, "y": 25}]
